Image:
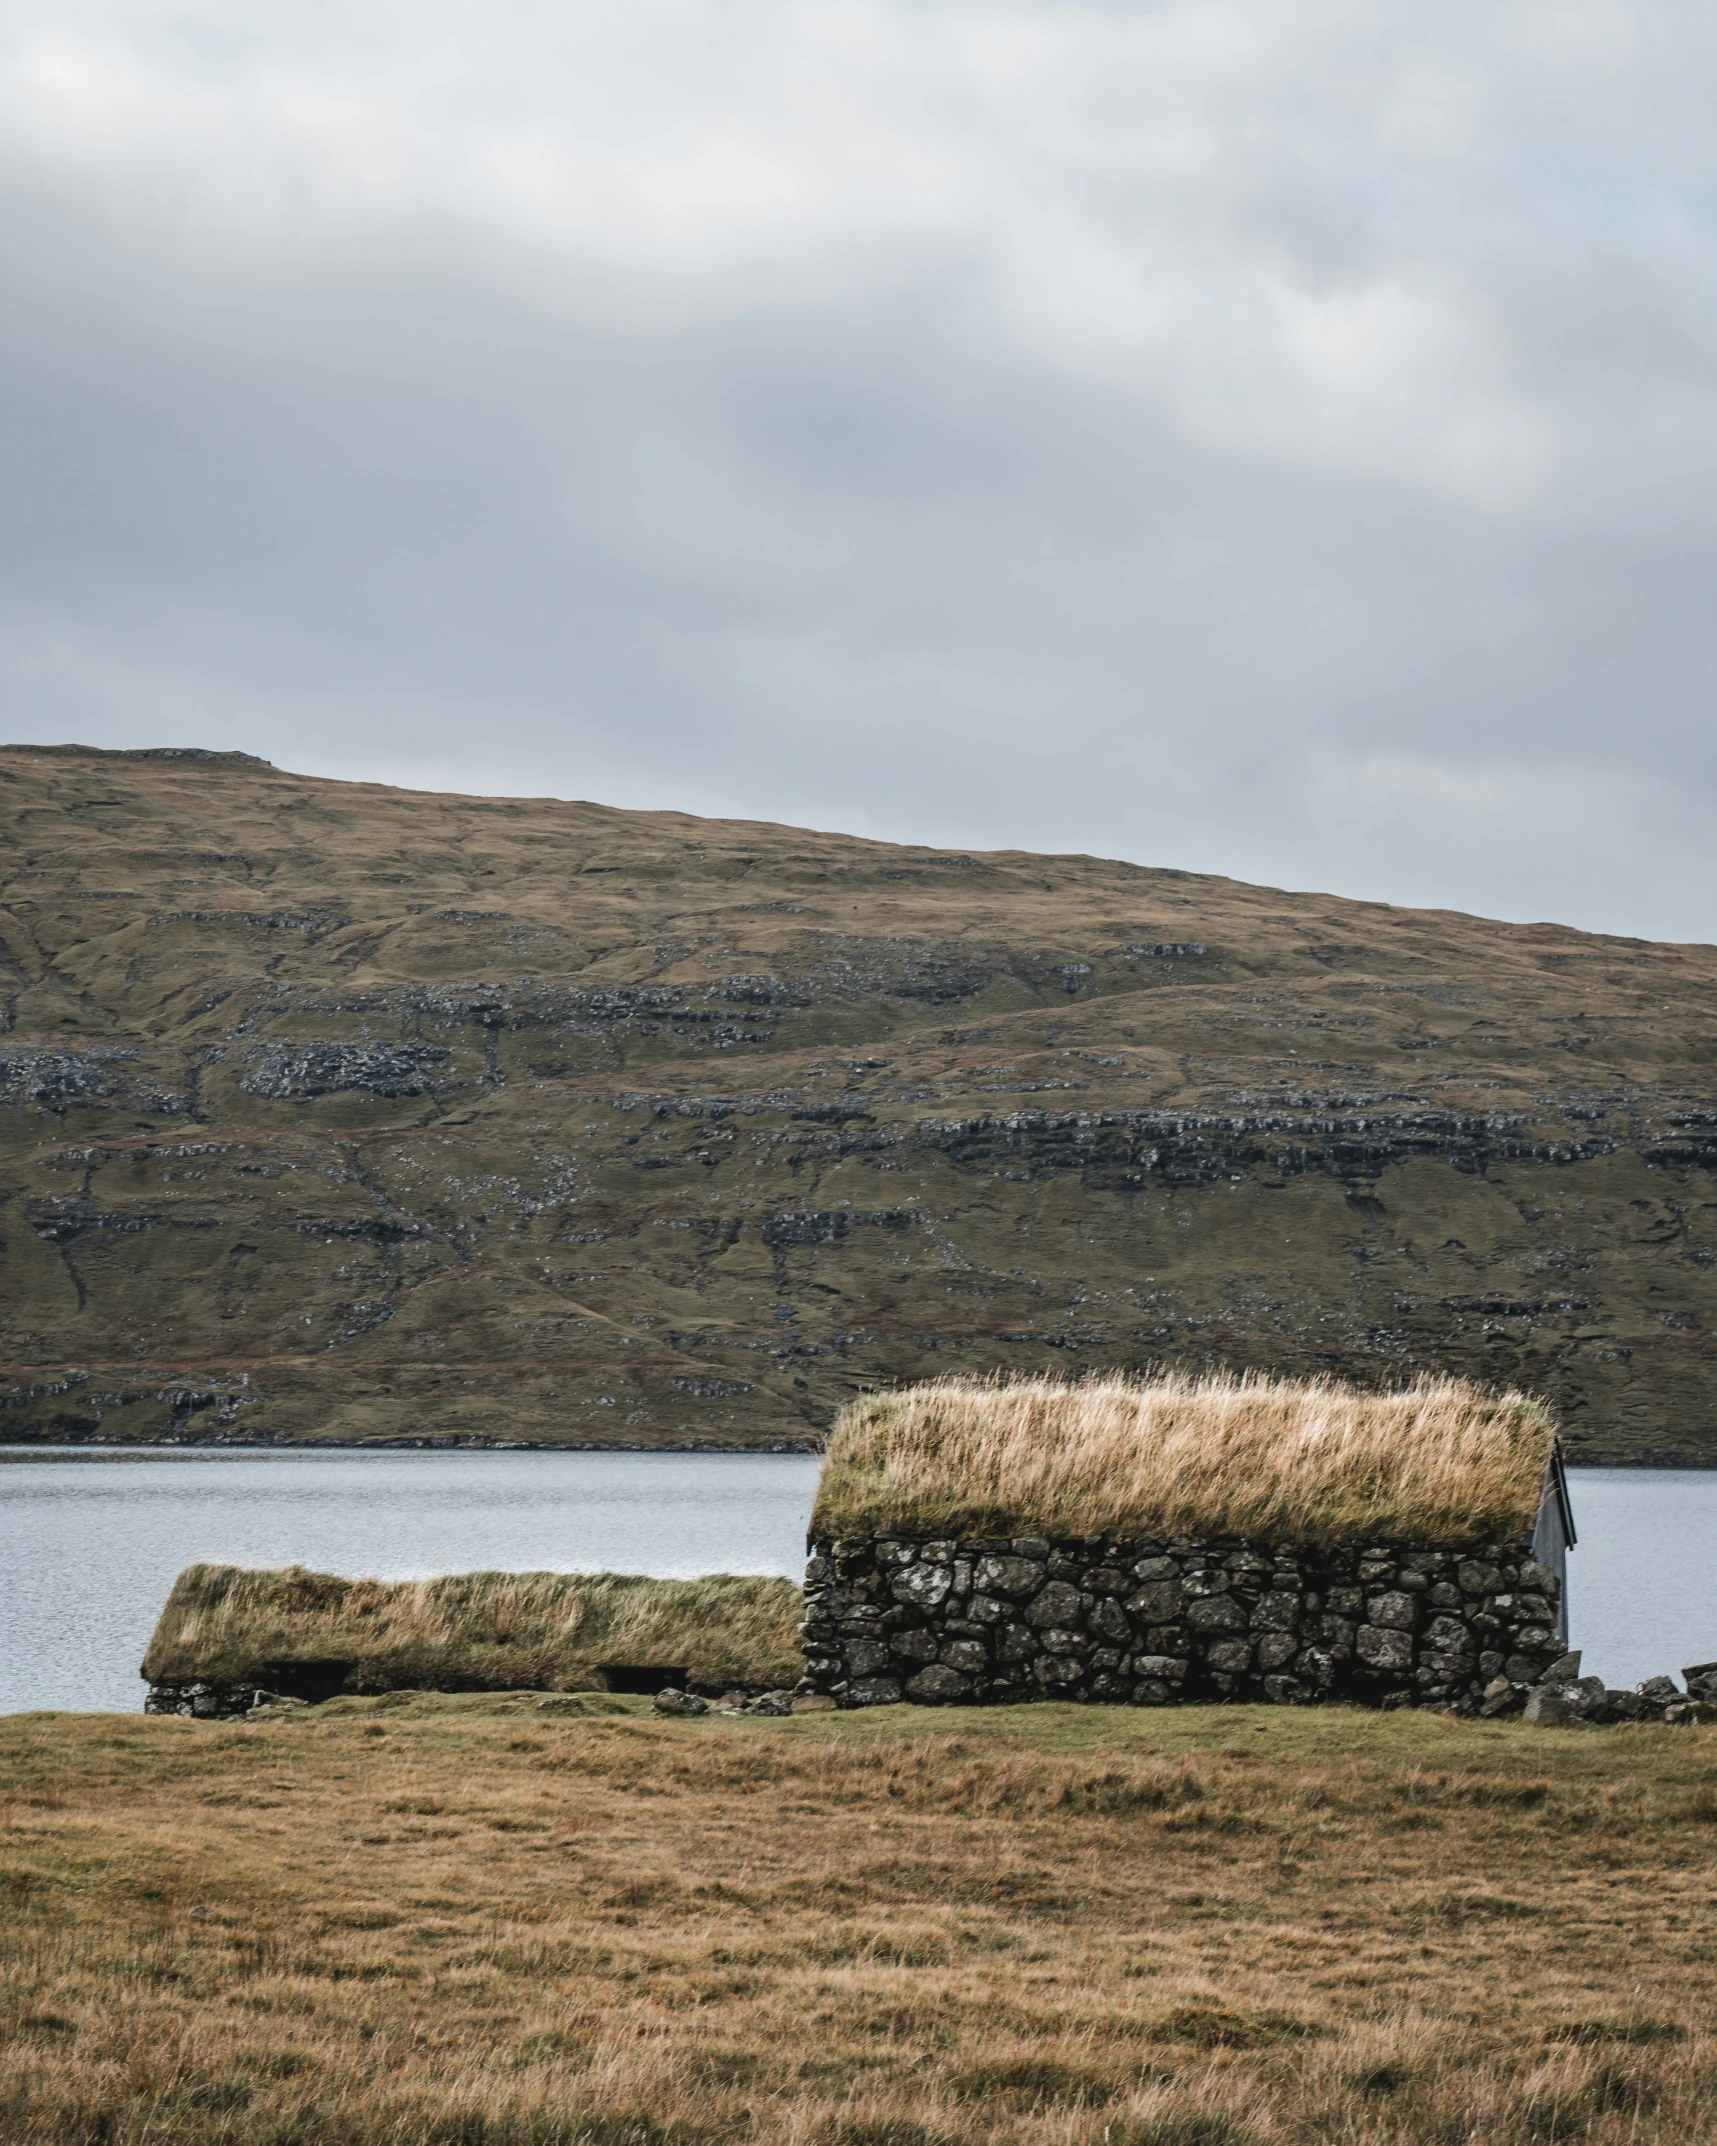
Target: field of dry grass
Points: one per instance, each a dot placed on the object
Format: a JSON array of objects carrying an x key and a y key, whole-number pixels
[
  {"x": 476, "y": 1631},
  {"x": 473, "y": 1922},
  {"x": 1248, "y": 1456}
]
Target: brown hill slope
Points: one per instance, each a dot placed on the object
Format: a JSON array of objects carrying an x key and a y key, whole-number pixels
[{"x": 335, "y": 1111}]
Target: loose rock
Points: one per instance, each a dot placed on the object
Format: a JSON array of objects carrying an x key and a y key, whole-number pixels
[{"x": 679, "y": 1702}]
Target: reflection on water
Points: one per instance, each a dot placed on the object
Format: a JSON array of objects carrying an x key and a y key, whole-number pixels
[{"x": 90, "y": 1543}]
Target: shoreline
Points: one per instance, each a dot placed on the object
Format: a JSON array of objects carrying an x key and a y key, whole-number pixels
[
  {"x": 27, "y": 1449},
  {"x": 48, "y": 1449}
]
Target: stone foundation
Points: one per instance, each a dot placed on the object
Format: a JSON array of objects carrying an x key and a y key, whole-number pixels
[
  {"x": 1148, "y": 1623},
  {"x": 201, "y": 1700},
  {"x": 207, "y": 1702}
]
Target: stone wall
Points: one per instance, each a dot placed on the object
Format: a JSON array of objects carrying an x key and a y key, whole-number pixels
[
  {"x": 201, "y": 1701},
  {"x": 1146, "y": 1623}
]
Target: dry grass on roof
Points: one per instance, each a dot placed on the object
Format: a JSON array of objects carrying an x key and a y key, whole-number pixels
[
  {"x": 475, "y": 1631},
  {"x": 1262, "y": 1459}
]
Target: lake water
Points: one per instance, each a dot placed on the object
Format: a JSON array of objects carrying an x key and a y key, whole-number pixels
[{"x": 91, "y": 1542}]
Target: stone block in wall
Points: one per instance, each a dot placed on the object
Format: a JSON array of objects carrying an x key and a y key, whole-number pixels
[
  {"x": 917, "y": 1645},
  {"x": 921, "y": 1586},
  {"x": 1159, "y": 1602},
  {"x": 1382, "y": 1646},
  {"x": 1057, "y": 1672},
  {"x": 1011, "y": 1576},
  {"x": 938, "y": 1684},
  {"x": 1056, "y": 1603},
  {"x": 1330, "y": 1631},
  {"x": 873, "y": 1691}
]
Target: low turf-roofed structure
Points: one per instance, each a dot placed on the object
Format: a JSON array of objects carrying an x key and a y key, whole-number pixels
[
  {"x": 227, "y": 1633},
  {"x": 1206, "y": 1537}
]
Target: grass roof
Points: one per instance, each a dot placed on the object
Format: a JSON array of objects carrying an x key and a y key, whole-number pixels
[
  {"x": 475, "y": 1631},
  {"x": 1309, "y": 1463}
]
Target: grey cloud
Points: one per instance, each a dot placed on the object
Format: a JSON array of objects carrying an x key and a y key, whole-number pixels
[{"x": 868, "y": 540}]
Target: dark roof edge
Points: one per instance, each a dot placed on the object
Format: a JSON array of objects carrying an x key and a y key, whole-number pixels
[{"x": 1556, "y": 1483}]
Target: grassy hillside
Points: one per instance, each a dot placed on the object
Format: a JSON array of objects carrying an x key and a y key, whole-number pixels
[
  {"x": 330, "y": 1111},
  {"x": 468, "y": 1922}
]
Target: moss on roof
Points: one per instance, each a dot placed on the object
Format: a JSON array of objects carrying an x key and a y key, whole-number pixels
[{"x": 1248, "y": 1457}]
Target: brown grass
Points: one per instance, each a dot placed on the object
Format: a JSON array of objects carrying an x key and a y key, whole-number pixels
[
  {"x": 1264, "y": 1459},
  {"x": 465, "y": 1922},
  {"x": 475, "y": 1631}
]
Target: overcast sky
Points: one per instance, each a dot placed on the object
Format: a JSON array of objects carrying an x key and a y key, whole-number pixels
[{"x": 1276, "y": 437}]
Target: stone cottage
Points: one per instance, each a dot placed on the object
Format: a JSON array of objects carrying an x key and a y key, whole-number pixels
[{"x": 1143, "y": 1542}]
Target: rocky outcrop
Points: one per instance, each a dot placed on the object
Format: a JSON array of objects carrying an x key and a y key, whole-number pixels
[
  {"x": 1148, "y": 1623},
  {"x": 1115, "y": 1149},
  {"x": 49, "y": 1080},
  {"x": 282, "y": 1072},
  {"x": 78, "y": 1409}
]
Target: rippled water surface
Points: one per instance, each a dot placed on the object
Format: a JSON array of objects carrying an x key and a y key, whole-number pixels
[{"x": 90, "y": 1543}]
